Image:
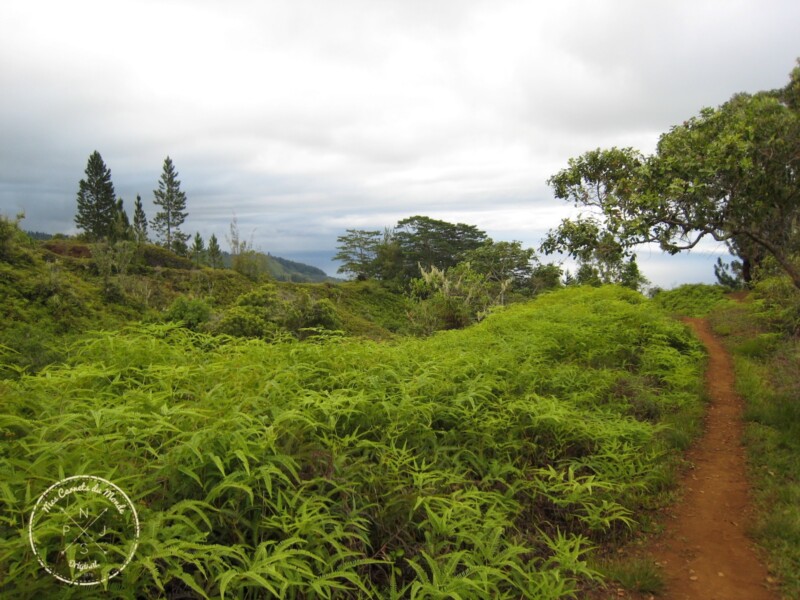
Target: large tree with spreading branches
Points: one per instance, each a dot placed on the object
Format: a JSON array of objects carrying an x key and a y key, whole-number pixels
[{"x": 731, "y": 173}]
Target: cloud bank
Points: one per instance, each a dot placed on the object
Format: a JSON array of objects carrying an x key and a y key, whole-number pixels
[{"x": 307, "y": 118}]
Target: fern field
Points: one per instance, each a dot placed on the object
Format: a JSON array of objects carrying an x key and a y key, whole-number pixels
[{"x": 481, "y": 463}]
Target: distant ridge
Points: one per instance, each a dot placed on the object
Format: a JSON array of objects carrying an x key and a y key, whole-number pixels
[{"x": 280, "y": 269}]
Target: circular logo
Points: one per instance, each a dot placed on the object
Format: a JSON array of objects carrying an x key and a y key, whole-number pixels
[{"x": 84, "y": 530}]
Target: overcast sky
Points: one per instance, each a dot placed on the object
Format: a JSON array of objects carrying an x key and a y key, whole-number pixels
[{"x": 305, "y": 118}]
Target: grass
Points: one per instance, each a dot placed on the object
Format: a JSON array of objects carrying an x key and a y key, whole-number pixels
[
  {"x": 640, "y": 574},
  {"x": 486, "y": 462}
]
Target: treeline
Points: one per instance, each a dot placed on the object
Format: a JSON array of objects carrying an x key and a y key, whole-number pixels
[
  {"x": 420, "y": 244},
  {"x": 102, "y": 217},
  {"x": 455, "y": 273}
]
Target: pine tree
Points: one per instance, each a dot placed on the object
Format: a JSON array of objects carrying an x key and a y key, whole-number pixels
[
  {"x": 139, "y": 221},
  {"x": 179, "y": 243},
  {"x": 198, "y": 250},
  {"x": 122, "y": 225},
  {"x": 173, "y": 206},
  {"x": 97, "y": 205},
  {"x": 214, "y": 252}
]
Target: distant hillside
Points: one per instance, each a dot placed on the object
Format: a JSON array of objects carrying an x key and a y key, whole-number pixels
[
  {"x": 280, "y": 269},
  {"x": 283, "y": 269}
]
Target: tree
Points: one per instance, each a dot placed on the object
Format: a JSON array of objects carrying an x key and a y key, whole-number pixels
[
  {"x": 97, "y": 205},
  {"x": 121, "y": 230},
  {"x": 545, "y": 277},
  {"x": 424, "y": 242},
  {"x": 214, "y": 252},
  {"x": 388, "y": 266},
  {"x": 729, "y": 275},
  {"x": 139, "y": 221},
  {"x": 180, "y": 244},
  {"x": 731, "y": 173},
  {"x": 198, "y": 250},
  {"x": 173, "y": 205},
  {"x": 503, "y": 261},
  {"x": 358, "y": 250}
]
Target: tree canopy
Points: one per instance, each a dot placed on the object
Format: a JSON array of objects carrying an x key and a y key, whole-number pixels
[
  {"x": 426, "y": 242},
  {"x": 358, "y": 250},
  {"x": 729, "y": 173}
]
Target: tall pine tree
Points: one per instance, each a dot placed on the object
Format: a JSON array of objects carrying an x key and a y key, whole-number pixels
[
  {"x": 139, "y": 221},
  {"x": 214, "y": 252},
  {"x": 97, "y": 203},
  {"x": 198, "y": 250},
  {"x": 173, "y": 206}
]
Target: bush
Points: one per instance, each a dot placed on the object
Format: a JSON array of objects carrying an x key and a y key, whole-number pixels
[
  {"x": 778, "y": 304},
  {"x": 192, "y": 312}
]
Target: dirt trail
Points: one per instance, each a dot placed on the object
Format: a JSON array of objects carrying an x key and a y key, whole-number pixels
[{"x": 704, "y": 551}]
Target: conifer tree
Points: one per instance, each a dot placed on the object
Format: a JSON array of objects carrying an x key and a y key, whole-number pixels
[
  {"x": 139, "y": 221},
  {"x": 214, "y": 252},
  {"x": 97, "y": 204},
  {"x": 173, "y": 206},
  {"x": 121, "y": 229},
  {"x": 198, "y": 250}
]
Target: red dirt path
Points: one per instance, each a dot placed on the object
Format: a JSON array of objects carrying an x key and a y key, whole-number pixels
[{"x": 704, "y": 551}]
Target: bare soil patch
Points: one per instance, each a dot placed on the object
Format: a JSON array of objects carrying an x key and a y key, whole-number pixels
[{"x": 705, "y": 552}]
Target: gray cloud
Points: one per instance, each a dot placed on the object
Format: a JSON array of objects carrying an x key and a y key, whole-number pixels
[{"x": 306, "y": 118}]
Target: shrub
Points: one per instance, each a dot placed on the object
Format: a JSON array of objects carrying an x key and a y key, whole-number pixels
[{"x": 192, "y": 312}]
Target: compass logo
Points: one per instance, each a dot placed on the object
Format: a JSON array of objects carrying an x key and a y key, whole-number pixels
[{"x": 84, "y": 530}]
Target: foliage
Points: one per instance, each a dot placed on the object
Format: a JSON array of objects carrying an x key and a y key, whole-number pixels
[
  {"x": 139, "y": 222},
  {"x": 261, "y": 313},
  {"x": 602, "y": 258},
  {"x": 214, "y": 252},
  {"x": 191, "y": 312},
  {"x": 545, "y": 276},
  {"x": 424, "y": 242},
  {"x": 483, "y": 462},
  {"x": 198, "y": 250},
  {"x": 729, "y": 275},
  {"x": 777, "y": 304},
  {"x": 357, "y": 250},
  {"x": 692, "y": 300},
  {"x": 172, "y": 201},
  {"x": 502, "y": 262},
  {"x": 452, "y": 299},
  {"x": 97, "y": 203},
  {"x": 12, "y": 240},
  {"x": 730, "y": 173}
]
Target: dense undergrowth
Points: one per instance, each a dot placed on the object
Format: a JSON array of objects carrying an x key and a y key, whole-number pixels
[
  {"x": 481, "y": 463},
  {"x": 762, "y": 333},
  {"x": 52, "y": 292},
  {"x": 693, "y": 299}
]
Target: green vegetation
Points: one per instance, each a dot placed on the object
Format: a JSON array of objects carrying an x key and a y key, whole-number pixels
[
  {"x": 762, "y": 333},
  {"x": 403, "y": 257},
  {"x": 692, "y": 300},
  {"x": 172, "y": 201},
  {"x": 731, "y": 173},
  {"x": 484, "y": 462}
]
